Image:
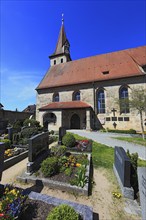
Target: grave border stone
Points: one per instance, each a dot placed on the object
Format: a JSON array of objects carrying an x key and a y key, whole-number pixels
[{"x": 122, "y": 170}]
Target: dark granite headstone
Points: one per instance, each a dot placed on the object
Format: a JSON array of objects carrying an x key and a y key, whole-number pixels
[
  {"x": 62, "y": 132},
  {"x": 122, "y": 170},
  {"x": 123, "y": 166},
  {"x": 2, "y": 149},
  {"x": 37, "y": 144},
  {"x": 38, "y": 151},
  {"x": 142, "y": 189},
  {"x": 10, "y": 133}
]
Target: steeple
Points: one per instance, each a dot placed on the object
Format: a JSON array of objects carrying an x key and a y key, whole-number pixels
[{"x": 62, "y": 52}]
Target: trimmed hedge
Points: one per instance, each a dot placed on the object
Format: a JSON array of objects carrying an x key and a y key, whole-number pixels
[
  {"x": 50, "y": 166},
  {"x": 130, "y": 131},
  {"x": 68, "y": 140}
]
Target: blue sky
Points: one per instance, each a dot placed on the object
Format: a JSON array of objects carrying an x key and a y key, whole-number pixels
[{"x": 29, "y": 32}]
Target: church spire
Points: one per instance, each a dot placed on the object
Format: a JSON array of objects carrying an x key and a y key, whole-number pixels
[{"x": 62, "y": 46}]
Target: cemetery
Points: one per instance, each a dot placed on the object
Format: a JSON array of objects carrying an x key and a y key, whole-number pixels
[
  {"x": 66, "y": 166},
  {"x": 18, "y": 199}
]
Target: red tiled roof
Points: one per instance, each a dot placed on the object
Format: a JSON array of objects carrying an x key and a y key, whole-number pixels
[
  {"x": 65, "y": 105},
  {"x": 120, "y": 64}
]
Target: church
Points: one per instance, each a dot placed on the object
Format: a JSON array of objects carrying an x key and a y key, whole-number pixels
[{"x": 82, "y": 94}]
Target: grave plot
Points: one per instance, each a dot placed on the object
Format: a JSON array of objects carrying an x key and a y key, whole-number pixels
[
  {"x": 16, "y": 144},
  {"x": 62, "y": 169}
]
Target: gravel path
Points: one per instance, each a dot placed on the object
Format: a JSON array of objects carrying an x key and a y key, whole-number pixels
[
  {"x": 10, "y": 174},
  {"x": 106, "y": 138}
]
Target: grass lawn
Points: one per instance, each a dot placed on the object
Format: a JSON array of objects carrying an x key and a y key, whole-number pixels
[
  {"x": 135, "y": 140},
  {"x": 103, "y": 156}
]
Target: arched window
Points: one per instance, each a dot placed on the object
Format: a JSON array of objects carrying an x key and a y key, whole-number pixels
[
  {"x": 56, "y": 97},
  {"x": 76, "y": 96},
  {"x": 124, "y": 100},
  {"x": 100, "y": 101}
]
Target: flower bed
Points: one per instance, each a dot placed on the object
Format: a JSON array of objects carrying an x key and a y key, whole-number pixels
[
  {"x": 11, "y": 202},
  {"x": 84, "y": 211},
  {"x": 70, "y": 172},
  {"x": 82, "y": 146},
  {"x": 15, "y": 159}
]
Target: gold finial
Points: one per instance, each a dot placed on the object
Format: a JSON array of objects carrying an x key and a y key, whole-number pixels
[{"x": 62, "y": 18}]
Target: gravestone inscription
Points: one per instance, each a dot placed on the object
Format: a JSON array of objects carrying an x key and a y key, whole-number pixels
[
  {"x": 142, "y": 189},
  {"x": 2, "y": 149}
]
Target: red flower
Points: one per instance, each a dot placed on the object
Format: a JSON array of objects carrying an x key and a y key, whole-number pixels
[{"x": 1, "y": 214}]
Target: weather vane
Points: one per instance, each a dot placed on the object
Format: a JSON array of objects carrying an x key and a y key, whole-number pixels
[{"x": 62, "y": 18}]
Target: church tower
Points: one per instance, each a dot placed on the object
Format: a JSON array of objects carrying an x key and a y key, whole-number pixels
[{"x": 62, "y": 51}]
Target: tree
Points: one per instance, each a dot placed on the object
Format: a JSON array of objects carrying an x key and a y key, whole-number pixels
[{"x": 137, "y": 101}]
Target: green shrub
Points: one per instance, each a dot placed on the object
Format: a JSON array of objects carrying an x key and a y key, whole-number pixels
[
  {"x": 82, "y": 159},
  {"x": 63, "y": 212},
  {"x": 58, "y": 150},
  {"x": 7, "y": 143},
  {"x": 31, "y": 123},
  {"x": 68, "y": 140},
  {"x": 53, "y": 138},
  {"x": 18, "y": 124},
  {"x": 51, "y": 132},
  {"x": 130, "y": 131},
  {"x": 68, "y": 171},
  {"x": 50, "y": 166},
  {"x": 29, "y": 132},
  {"x": 134, "y": 162}
]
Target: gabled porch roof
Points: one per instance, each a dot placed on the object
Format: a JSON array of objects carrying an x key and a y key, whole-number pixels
[{"x": 65, "y": 105}]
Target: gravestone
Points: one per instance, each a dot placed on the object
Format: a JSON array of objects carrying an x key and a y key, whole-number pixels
[
  {"x": 10, "y": 133},
  {"x": 2, "y": 149},
  {"x": 62, "y": 132},
  {"x": 122, "y": 169},
  {"x": 142, "y": 189},
  {"x": 38, "y": 151}
]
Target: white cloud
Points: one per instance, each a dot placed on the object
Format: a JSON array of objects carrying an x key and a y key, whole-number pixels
[{"x": 18, "y": 88}]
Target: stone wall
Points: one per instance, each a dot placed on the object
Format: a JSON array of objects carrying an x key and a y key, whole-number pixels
[{"x": 7, "y": 116}]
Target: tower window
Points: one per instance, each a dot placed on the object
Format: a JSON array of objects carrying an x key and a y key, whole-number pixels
[
  {"x": 54, "y": 62},
  {"x": 61, "y": 60}
]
